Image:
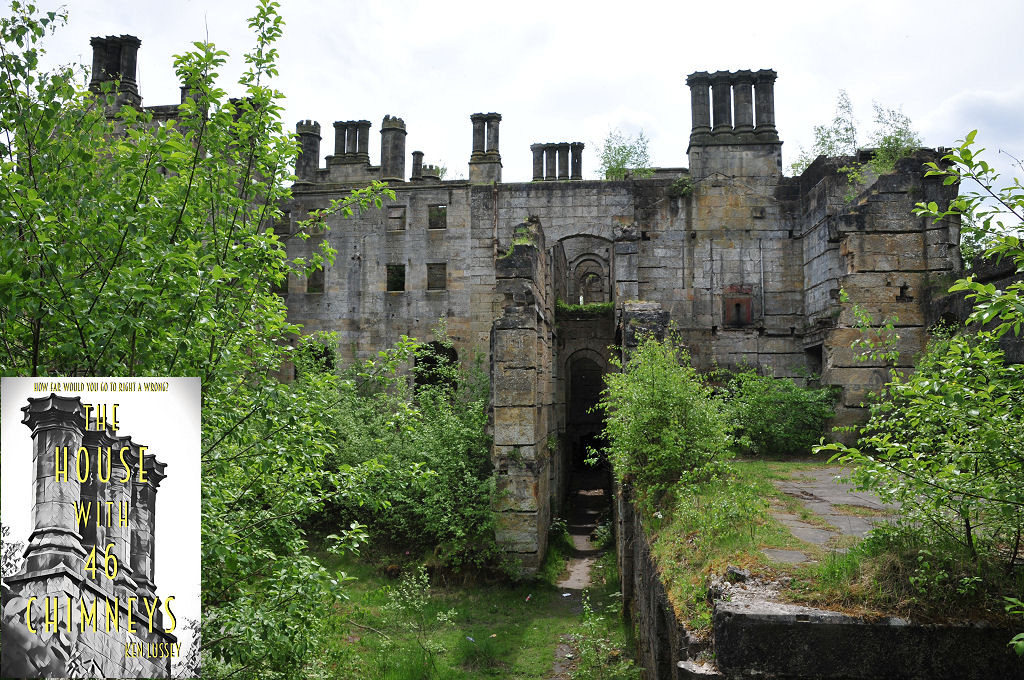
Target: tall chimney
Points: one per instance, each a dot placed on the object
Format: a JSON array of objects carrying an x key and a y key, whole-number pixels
[
  {"x": 392, "y": 149},
  {"x": 115, "y": 58},
  {"x": 309, "y": 150}
]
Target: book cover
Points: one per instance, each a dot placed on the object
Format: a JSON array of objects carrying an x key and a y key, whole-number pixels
[{"x": 101, "y": 526}]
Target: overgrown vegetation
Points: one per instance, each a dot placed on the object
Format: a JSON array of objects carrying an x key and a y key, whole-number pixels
[
  {"x": 585, "y": 309},
  {"x": 622, "y": 156},
  {"x": 892, "y": 139},
  {"x": 664, "y": 424},
  {"x": 775, "y": 416}
]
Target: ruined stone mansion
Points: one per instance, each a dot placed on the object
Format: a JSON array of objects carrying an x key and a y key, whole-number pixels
[{"x": 746, "y": 262}]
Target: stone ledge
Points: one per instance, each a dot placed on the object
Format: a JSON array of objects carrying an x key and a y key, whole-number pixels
[{"x": 773, "y": 640}]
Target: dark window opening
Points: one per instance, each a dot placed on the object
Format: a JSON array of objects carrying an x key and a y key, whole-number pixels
[
  {"x": 313, "y": 358},
  {"x": 437, "y": 216},
  {"x": 815, "y": 356},
  {"x": 396, "y": 218},
  {"x": 436, "y": 364},
  {"x": 396, "y": 277},
  {"x": 283, "y": 224},
  {"x": 738, "y": 317},
  {"x": 437, "y": 276},
  {"x": 315, "y": 282},
  {"x": 736, "y": 311}
]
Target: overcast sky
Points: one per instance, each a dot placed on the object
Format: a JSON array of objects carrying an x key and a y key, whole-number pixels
[{"x": 570, "y": 71}]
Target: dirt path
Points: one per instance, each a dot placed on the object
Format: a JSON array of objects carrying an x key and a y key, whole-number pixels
[{"x": 589, "y": 499}]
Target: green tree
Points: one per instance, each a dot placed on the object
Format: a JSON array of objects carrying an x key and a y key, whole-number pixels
[
  {"x": 996, "y": 218},
  {"x": 839, "y": 138},
  {"x": 132, "y": 247},
  {"x": 624, "y": 156},
  {"x": 663, "y": 422}
]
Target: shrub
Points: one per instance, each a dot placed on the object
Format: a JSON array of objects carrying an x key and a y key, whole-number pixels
[
  {"x": 663, "y": 422},
  {"x": 775, "y": 416}
]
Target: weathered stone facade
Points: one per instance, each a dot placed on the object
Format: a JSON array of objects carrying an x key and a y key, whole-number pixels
[{"x": 747, "y": 263}]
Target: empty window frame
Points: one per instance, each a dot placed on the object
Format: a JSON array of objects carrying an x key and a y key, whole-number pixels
[
  {"x": 396, "y": 277},
  {"x": 315, "y": 282},
  {"x": 396, "y": 218},
  {"x": 437, "y": 276},
  {"x": 437, "y": 216}
]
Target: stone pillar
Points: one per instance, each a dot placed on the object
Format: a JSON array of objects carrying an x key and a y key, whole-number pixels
[
  {"x": 576, "y": 164},
  {"x": 392, "y": 149},
  {"x": 764, "y": 105},
  {"x": 417, "y": 166},
  {"x": 127, "y": 66},
  {"x": 700, "y": 106},
  {"x": 538, "y": 161},
  {"x": 362, "y": 128},
  {"x": 101, "y": 446},
  {"x": 56, "y": 422},
  {"x": 721, "y": 93},
  {"x": 351, "y": 137},
  {"x": 143, "y": 520},
  {"x": 563, "y": 161},
  {"x": 626, "y": 263},
  {"x": 309, "y": 149},
  {"x": 100, "y": 62},
  {"x": 479, "y": 123},
  {"x": 743, "y": 102},
  {"x": 550, "y": 159},
  {"x": 492, "y": 132},
  {"x": 339, "y": 139},
  {"x": 120, "y": 495}
]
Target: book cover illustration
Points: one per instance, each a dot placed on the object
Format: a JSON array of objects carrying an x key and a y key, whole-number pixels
[{"x": 100, "y": 580}]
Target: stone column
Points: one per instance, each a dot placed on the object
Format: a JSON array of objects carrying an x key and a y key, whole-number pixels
[
  {"x": 721, "y": 93},
  {"x": 550, "y": 151},
  {"x": 339, "y": 138},
  {"x": 576, "y": 164},
  {"x": 700, "y": 106},
  {"x": 492, "y": 132},
  {"x": 479, "y": 122},
  {"x": 538, "y": 161},
  {"x": 101, "y": 446},
  {"x": 56, "y": 423},
  {"x": 120, "y": 495},
  {"x": 764, "y": 105},
  {"x": 309, "y": 149},
  {"x": 363, "y": 141},
  {"x": 351, "y": 136},
  {"x": 127, "y": 66},
  {"x": 417, "y": 166},
  {"x": 99, "y": 63},
  {"x": 742, "y": 97},
  {"x": 563, "y": 161},
  {"x": 142, "y": 521}
]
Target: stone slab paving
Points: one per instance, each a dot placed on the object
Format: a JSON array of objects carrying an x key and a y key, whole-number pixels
[{"x": 820, "y": 492}]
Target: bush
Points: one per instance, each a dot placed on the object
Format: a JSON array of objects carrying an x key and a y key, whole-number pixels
[
  {"x": 776, "y": 417},
  {"x": 663, "y": 422},
  {"x": 947, "y": 443}
]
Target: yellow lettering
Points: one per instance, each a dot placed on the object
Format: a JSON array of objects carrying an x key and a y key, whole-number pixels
[
  {"x": 58, "y": 470},
  {"x": 124, "y": 463},
  {"x": 151, "y": 609},
  {"x": 78, "y": 464},
  {"x": 113, "y": 418},
  {"x": 142, "y": 463},
  {"x": 167, "y": 608},
  {"x": 52, "y": 616},
  {"x": 131, "y": 614},
  {"x": 114, "y": 614},
  {"x": 99, "y": 464},
  {"x": 82, "y": 511},
  {"x": 28, "y": 614},
  {"x": 87, "y": 615},
  {"x": 88, "y": 407}
]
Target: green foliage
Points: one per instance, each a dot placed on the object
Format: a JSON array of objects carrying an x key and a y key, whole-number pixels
[
  {"x": 996, "y": 216},
  {"x": 682, "y": 187},
  {"x": 598, "y": 657},
  {"x": 946, "y": 443},
  {"x": 664, "y": 425},
  {"x": 408, "y": 610},
  {"x": 560, "y": 548},
  {"x": 429, "y": 447},
  {"x": 893, "y": 138},
  {"x": 624, "y": 156},
  {"x": 876, "y": 343},
  {"x": 135, "y": 247},
  {"x": 587, "y": 309},
  {"x": 1015, "y": 606},
  {"x": 836, "y": 139},
  {"x": 775, "y": 416}
]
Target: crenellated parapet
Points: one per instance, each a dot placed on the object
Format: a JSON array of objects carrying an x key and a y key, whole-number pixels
[
  {"x": 392, "y": 149},
  {"x": 308, "y": 161}
]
